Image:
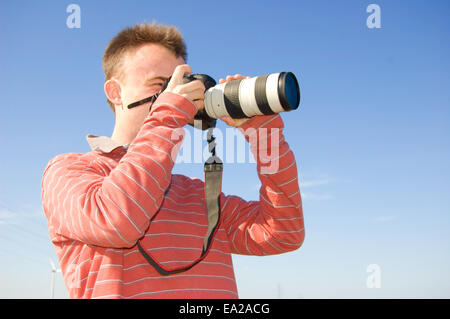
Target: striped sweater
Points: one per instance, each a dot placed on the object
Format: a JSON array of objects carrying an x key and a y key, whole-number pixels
[{"x": 100, "y": 204}]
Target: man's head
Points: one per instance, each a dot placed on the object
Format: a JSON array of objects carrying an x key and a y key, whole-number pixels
[{"x": 135, "y": 63}]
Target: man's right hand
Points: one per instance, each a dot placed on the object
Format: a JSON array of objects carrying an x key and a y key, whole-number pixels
[{"x": 193, "y": 91}]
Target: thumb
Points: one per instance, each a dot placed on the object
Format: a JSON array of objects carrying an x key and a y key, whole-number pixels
[{"x": 226, "y": 119}]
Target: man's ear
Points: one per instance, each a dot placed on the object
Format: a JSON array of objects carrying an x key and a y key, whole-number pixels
[{"x": 113, "y": 91}]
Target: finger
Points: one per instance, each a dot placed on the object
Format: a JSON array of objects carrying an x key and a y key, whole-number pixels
[
  {"x": 235, "y": 77},
  {"x": 195, "y": 95},
  {"x": 199, "y": 104},
  {"x": 229, "y": 121},
  {"x": 184, "y": 89},
  {"x": 177, "y": 76},
  {"x": 194, "y": 85},
  {"x": 190, "y": 89},
  {"x": 238, "y": 77}
]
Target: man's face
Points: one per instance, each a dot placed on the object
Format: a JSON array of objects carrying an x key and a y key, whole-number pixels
[{"x": 144, "y": 72}]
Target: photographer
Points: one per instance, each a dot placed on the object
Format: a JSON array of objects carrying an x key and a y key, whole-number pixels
[{"x": 100, "y": 205}]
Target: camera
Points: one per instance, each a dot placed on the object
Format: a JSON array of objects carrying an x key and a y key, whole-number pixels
[{"x": 244, "y": 98}]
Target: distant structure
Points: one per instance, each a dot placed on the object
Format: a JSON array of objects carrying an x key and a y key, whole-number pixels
[{"x": 52, "y": 283}]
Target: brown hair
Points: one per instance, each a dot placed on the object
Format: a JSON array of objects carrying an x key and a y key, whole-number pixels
[{"x": 131, "y": 38}]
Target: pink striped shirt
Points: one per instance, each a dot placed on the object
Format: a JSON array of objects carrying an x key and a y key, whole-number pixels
[{"x": 99, "y": 204}]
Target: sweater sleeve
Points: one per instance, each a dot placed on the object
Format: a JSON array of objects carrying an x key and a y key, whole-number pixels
[
  {"x": 82, "y": 203},
  {"x": 274, "y": 224}
]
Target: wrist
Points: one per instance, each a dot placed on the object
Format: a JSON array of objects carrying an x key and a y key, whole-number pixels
[{"x": 173, "y": 108}]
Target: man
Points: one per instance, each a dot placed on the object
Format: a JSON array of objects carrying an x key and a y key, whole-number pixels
[{"x": 101, "y": 204}]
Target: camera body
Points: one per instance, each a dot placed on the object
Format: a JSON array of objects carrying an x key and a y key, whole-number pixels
[{"x": 208, "y": 82}]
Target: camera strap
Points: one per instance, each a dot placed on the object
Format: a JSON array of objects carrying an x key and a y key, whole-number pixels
[{"x": 213, "y": 186}]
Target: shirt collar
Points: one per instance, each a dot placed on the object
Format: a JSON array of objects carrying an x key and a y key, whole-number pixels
[{"x": 103, "y": 143}]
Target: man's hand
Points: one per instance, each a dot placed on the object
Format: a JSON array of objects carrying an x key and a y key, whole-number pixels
[
  {"x": 193, "y": 91},
  {"x": 230, "y": 121}
]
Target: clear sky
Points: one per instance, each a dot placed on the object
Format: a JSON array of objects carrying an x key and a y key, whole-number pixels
[{"x": 371, "y": 136}]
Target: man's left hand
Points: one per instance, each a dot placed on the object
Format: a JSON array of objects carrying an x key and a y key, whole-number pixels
[{"x": 227, "y": 119}]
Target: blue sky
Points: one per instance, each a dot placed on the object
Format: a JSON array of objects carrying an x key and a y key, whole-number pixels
[{"x": 371, "y": 136}]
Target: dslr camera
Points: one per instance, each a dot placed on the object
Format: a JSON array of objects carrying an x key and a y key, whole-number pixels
[{"x": 243, "y": 98}]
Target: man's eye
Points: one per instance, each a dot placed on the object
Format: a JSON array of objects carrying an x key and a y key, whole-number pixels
[{"x": 155, "y": 88}]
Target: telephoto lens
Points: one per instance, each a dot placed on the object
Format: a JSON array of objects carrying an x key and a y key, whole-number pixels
[{"x": 261, "y": 95}]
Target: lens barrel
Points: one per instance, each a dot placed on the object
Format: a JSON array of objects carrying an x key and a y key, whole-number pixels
[{"x": 262, "y": 95}]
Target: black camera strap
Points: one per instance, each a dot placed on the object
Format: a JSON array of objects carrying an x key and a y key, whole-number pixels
[{"x": 213, "y": 185}]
